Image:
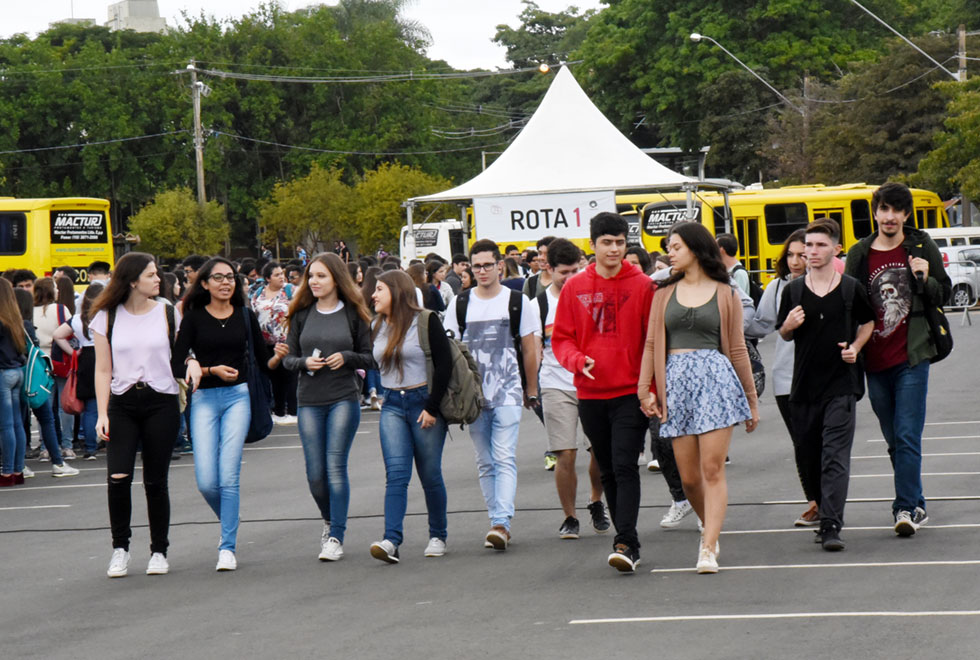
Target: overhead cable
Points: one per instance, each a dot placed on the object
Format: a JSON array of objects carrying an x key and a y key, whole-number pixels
[
  {"x": 92, "y": 144},
  {"x": 359, "y": 153}
]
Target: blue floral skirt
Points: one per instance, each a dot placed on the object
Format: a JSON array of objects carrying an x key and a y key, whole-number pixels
[{"x": 703, "y": 394}]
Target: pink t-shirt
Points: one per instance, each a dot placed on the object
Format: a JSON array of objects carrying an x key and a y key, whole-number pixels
[{"x": 140, "y": 349}]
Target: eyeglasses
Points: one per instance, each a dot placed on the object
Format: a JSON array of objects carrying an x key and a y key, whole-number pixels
[
  {"x": 479, "y": 267},
  {"x": 222, "y": 277}
]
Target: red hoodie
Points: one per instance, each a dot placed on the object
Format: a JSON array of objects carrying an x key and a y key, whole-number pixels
[{"x": 606, "y": 320}]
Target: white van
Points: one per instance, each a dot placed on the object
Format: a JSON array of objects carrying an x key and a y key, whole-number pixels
[
  {"x": 444, "y": 237},
  {"x": 950, "y": 236}
]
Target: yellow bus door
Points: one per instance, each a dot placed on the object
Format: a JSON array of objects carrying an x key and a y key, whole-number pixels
[{"x": 747, "y": 232}]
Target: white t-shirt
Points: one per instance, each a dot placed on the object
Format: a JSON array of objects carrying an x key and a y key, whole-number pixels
[
  {"x": 140, "y": 348},
  {"x": 76, "y": 327},
  {"x": 552, "y": 375},
  {"x": 488, "y": 338}
]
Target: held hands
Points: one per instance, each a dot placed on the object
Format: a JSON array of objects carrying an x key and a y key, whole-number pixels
[
  {"x": 794, "y": 319},
  {"x": 651, "y": 406},
  {"x": 848, "y": 353},
  {"x": 425, "y": 420},
  {"x": 587, "y": 369}
]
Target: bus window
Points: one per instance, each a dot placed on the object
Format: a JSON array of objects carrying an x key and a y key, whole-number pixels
[
  {"x": 931, "y": 218},
  {"x": 747, "y": 232},
  {"x": 719, "y": 213},
  {"x": 975, "y": 240},
  {"x": 457, "y": 242},
  {"x": 783, "y": 219},
  {"x": 957, "y": 240},
  {"x": 942, "y": 242},
  {"x": 13, "y": 233},
  {"x": 861, "y": 217},
  {"x": 920, "y": 220}
]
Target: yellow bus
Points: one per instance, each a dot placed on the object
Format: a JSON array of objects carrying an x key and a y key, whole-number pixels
[
  {"x": 763, "y": 219},
  {"x": 42, "y": 234}
]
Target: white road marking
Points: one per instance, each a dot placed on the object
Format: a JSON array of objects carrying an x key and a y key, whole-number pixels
[
  {"x": 95, "y": 485},
  {"x": 947, "y": 498},
  {"x": 777, "y": 615},
  {"x": 949, "y": 423},
  {"x": 876, "y": 528},
  {"x": 43, "y": 506},
  {"x": 952, "y": 453},
  {"x": 941, "y": 437},
  {"x": 870, "y": 564},
  {"x": 924, "y": 474}
]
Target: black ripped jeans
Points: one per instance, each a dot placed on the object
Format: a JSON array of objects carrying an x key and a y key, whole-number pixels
[{"x": 141, "y": 419}]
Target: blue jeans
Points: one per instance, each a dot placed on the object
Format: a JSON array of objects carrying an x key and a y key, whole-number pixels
[
  {"x": 327, "y": 433},
  {"x": 13, "y": 440},
  {"x": 898, "y": 397},
  {"x": 372, "y": 381},
  {"x": 49, "y": 436},
  {"x": 494, "y": 436},
  {"x": 402, "y": 440},
  {"x": 89, "y": 417},
  {"x": 220, "y": 422},
  {"x": 64, "y": 422}
]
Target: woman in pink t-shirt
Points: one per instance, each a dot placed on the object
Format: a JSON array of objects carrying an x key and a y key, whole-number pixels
[{"x": 137, "y": 402}]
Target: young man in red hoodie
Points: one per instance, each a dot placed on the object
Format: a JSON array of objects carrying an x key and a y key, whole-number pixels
[{"x": 599, "y": 330}]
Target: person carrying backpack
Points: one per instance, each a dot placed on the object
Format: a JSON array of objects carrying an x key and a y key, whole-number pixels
[
  {"x": 411, "y": 427},
  {"x": 13, "y": 344}
]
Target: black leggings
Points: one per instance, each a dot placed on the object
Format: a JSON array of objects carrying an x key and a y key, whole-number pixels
[
  {"x": 663, "y": 451},
  {"x": 810, "y": 490},
  {"x": 283, "y": 389},
  {"x": 141, "y": 419}
]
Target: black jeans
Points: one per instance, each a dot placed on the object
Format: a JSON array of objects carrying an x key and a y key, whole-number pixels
[
  {"x": 826, "y": 433},
  {"x": 663, "y": 451},
  {"x": 811, "y": 492},
  {"x": 283, "y": 390},
  {"x": 616, "y": 428},
  {"x": 141, "y": 419}
]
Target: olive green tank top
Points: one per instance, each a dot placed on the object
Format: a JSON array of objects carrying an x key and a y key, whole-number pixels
[{"x": 693, "y": 327}]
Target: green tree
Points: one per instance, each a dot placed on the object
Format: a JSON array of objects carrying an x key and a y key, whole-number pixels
[
  {"x": 308, "y": 211},
  {"x": 378, "y": 196},
  {"x": 174, "y": 225},
  {"x": 954, "y": 164}
]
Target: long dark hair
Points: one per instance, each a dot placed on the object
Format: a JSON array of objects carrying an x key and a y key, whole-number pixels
[
  {"x": 347, "y": 291},
  {"x": 44, "y": 292},
  {"x": 404, "y": 308},
  {"x": 91, "y": 293},
  {"x": 702, "y": 244},
  {"x": 367, "y": 286},
  {"x": 782, "y": 265},
  {"x": 66, "y": 293},
  {"x": 126, "y": 272},
  {"x": 10, "y": 316},
  {"x": 198, "y": 297}
]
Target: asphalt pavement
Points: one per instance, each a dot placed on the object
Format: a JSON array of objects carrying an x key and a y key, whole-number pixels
[{"x": 778, "y": 595}]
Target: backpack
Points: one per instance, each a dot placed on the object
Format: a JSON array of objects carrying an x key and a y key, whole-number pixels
[
  {"x": 848, "y": 291},
  {"x": 38, "y": 381},
  {"x": 514, "y": 306},
  {"x": 755, "y": 291},
  {"x": 463, "y": 401},
  {"x": 939, "y": 333}
]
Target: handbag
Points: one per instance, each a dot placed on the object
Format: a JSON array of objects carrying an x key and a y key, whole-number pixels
[
  {"x": 70, "y": 402},
  {"x": 259, "y": 389},
  {"x": 61, "y": 361}
]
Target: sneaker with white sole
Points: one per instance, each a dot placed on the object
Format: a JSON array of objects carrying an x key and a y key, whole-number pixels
[
  {"x": 653, "y": 466},
  {"x": 28, "y": 472},
  {"x": 290, "y": 420},
  {"x": 44, "y": 456},
  {"x": 600, "y": 521},
  {"x": 624, "y": 558},
  {"x": 435, "y": 548},
  {"x": 675, "y": 514},
  {"x": 158, "y": 564},
  {"x": 278, "y": 420},
  {"x": 498, "y": 537},
  {"x": 919, "y": 516},
  {"x": 68, "y": 454},
  {"x": 226, "y": 561},
  {"x": 385, "y": 550},
  {"x": 904, "y": 526},
  {"x": 63, "y": 470},
  {"x": 707, "y": 561},
  {"x": 119, "y": 563},
  {"x": 332, "y": 550}
]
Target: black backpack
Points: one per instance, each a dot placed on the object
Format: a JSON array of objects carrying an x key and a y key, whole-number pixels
[
  {"x": 755, "y": 290},
  {"x": 514, "y": 306}
]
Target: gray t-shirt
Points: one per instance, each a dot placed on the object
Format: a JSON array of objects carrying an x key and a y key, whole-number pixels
[{"x": 330, "y": 332}]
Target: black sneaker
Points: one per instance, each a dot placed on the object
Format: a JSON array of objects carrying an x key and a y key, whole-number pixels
[
  {"x": 919, "y": 517},
  {"x": 624, "y": 558},
  {"x": 830, "y": 537},
  {"x": 600, "y": 521},
  {"x": 569, "y": 528},
  {"x": 89, "y": 456}
]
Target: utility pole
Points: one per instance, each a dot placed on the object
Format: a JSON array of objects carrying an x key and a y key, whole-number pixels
[
  {"x": 198, "y": 133},
  {"x": 966, "y": 205}
]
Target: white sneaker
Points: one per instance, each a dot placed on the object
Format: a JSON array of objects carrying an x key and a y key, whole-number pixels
[
  {"x": 68, "y": 454},
  {"x": 226, "y": 561},
  {"x": 385, "y": 550},
  {"x": 119, "y": 564},
  {"x": 63, "y": 470},
  {"x": 278, "y": 420},
  {"x": 332, "y": 550},
  {"x": 373, "y": 400},
  {"x": 707, "y": 561},
  {"x": 44, "y": 456},
  {"x": 654, "y": 466},
  {"x": 28, "y": 472},
  {"x": 717, "y": 551},
  {"x": 158, "y": 565},
  {"x": 436, "y": 548},
  {"x": 676, "y": 514},
  {"x": 290, "y": 420}
]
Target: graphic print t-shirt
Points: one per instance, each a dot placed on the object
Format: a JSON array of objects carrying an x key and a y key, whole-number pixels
[
  {"x": 890, "y": 291},
  {"x": 488, "y": 338},
  {"x": 552, "y": 374}
]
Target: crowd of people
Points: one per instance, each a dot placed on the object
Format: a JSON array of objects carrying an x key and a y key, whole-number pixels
[{"x": 604, "y": 348}]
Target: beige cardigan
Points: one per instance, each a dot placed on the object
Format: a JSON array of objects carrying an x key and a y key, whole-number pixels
[{"x": 654, "y": 364}]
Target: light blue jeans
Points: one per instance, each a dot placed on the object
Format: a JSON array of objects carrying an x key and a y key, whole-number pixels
[
  {"x": 13, "y": 440},
  {"x": 327, "y": 433},
  {"x": 402, "y": 440},
  {"x": 494, "y": 436},
  {"x": 219, "y": 422}
]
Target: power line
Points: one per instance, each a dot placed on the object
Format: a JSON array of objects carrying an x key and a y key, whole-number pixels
[
  {"x": 359, "y": 153},
  {"x": 870, "y": 96},
  {"x": 408, "y": 76},
  {"x": 92, "y": 144}
]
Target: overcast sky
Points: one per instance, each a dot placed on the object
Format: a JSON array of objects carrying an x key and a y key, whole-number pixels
[{"x": 461, "y": 29}]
